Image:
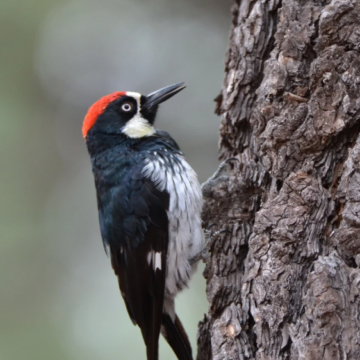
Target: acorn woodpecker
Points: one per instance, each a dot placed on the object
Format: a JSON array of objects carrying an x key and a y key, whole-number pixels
[{"x": 149, "y": 201}]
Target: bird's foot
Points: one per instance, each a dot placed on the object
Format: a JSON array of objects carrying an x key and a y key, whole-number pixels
[
  {"x": 210, "y": 236},
  {"x": 218, "y": 176}
]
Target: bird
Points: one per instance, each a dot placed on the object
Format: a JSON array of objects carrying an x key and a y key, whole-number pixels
[{"x": 149, "y": 203}]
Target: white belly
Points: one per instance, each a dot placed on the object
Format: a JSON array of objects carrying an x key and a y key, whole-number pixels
[{"x": 184, "y": 214}]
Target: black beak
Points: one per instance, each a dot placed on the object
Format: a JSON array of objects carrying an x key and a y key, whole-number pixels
[{"x": 159, "y": 96}]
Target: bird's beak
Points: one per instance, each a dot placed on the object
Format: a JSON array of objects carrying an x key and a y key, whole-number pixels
[{"x": 159, "y": 96}]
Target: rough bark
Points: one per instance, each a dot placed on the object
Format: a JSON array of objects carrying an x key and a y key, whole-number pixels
[{"x": 283, "y": 282}]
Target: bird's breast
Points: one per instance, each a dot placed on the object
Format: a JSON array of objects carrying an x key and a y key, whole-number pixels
[{"x": 171, "y": 173}]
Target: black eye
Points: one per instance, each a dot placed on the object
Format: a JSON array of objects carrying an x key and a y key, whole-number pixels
[{"x": 126, "y": 107}]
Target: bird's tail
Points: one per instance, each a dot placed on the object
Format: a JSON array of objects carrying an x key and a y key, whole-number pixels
[
  {"x": 174, "y": 333},
  {"x": 152, "y": 349},
  {"x": 152, "y": 337}
]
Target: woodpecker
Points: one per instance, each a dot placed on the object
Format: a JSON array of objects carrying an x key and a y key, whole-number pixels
[{"x": 149, "y": 202}]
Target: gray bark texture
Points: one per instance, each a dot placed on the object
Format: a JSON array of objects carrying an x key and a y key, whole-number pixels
[{"x": 284, "y": 281}]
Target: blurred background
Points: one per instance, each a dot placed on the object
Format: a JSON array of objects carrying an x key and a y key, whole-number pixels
[{"x": 58, "y": 294}]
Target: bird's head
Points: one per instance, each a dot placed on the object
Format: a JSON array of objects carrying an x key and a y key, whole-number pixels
[{"x": 128, "y": 113}]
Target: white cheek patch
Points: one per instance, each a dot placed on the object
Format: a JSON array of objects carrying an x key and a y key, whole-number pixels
[{"x": 137, "y": 127}]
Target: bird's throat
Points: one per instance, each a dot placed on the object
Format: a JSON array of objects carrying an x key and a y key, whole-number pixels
[{"x": 138, "y": 127}]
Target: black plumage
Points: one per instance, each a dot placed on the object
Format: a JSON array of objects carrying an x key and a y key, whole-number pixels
[{"x": 134, "y": 209}]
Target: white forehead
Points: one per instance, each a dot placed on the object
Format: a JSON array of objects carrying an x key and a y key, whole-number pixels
[{"x": 135, "y": 95}]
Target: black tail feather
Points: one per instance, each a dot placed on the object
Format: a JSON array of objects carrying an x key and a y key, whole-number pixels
[
  {"x": 157, "y": 299},
  {"x": 175, "y": 335},
  {"x": 152, "y": 338},
  {"x": 152, "y": 350},
  {"x": 142, "y": 284}
]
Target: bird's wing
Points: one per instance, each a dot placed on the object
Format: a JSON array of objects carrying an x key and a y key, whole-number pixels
[{"x": 140, "y": 263}]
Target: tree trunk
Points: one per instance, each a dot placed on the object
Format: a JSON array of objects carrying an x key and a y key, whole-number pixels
[{"x": 283, "y": 282}]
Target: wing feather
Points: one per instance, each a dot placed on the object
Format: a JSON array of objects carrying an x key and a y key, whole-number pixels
[{"x": 140, "y": 262}]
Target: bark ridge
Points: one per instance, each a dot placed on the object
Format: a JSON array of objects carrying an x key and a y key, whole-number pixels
[{"x": 285, "y": 283}]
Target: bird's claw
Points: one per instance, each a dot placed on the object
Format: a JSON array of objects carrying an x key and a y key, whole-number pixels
[
  {"x": 223, "y": 167},
  {"x": 204, "y": 253},
  {"x": 216, "y": 177}
]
